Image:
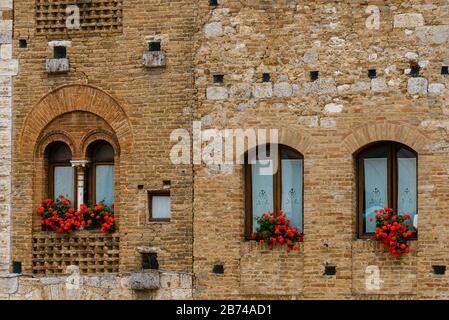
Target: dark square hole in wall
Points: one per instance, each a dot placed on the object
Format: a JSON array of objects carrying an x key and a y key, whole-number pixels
[
  {"x": 266, "y": 77},
  {"x": 439, "y": 270},
  {"x": 213, "y": 3},
  {"x": 218, "y": 269},
  {"x": 166, "y": 184},
  {"x": 23, "y": 43},
  {"x": 415, "y": 70},
  {"x": 155, "y": 46},
  {"x": 149, "y": 261},
  {"x": 445, "y": 70},
  {"x": 17, "y": 267},
  {"x": 59, "y": 52},
  {"x": 140, "y": 187},
  {"x": 372, "y": 73},
  {"x": 330, "y": 270},
  {"x": 314, "y": 75},
  {"x": 218, "y": 78}
]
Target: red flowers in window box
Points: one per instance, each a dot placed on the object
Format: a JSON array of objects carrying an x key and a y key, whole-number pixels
[
  {"x": 59, "y": 216},
  {"x": 393, "y": 231},
  {"x": 274, "y": 229}
]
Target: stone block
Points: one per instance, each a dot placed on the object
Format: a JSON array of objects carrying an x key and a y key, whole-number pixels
[
  {"x": 147, "y": 280},
  {"x": 217, "y": 93},
  {"x": 263, "y": 90},
  {"x": 417, "y": 86},
  {"x": 154, "y": 59},
  {"x": 57, "y": 65},
  {"x": 9, "y": 283},
  {"x": 408, "y": 20}
]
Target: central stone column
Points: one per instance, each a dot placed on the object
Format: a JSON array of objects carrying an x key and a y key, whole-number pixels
[{"x": 80, "y": 166}]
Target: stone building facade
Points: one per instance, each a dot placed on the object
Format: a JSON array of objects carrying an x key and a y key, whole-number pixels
[{"x": 332, "y": 77}]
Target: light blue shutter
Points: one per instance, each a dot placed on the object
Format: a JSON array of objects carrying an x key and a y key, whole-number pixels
[
  {"x": 104, "y": 184},
  {"x": 292, "y": 194},
  {"x": 407, "y": 187},
  {"x": 160, "y": 207},
  {"x": 262, "y": 191},
  {"x": 64, "y": 182},
  {"x": 376, "y": 189}
]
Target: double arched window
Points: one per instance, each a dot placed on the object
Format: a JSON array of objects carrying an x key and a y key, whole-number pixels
[
  {"x": 91, "y": 182},
  {"x": 387, "y": 177},
  {"x": 274, "y": 185}
]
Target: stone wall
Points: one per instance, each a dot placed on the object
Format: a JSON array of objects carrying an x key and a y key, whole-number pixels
[
  {"x": 8, "y": 69},
  {"x": 328, "y": 121},
  {"x": 165, "y": 286}
]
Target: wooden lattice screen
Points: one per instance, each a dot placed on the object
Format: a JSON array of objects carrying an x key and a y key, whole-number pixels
[
  {"x": 93, "y": 253},
  {"x": 94, "y": 16}
]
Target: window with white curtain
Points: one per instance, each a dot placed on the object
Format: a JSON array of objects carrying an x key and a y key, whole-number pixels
[
  {"x": 387, "y": 177},
  {"x": 61, "y": 172},
  {"x": 159, "y": 203},
  {"x": 102, "y": 173},
  {"x": 272, "y": 187}
]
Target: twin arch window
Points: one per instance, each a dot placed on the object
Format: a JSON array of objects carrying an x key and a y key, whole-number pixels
[
  {"x": 99, "y": 176},
  {"x": 386, "y": 177}
]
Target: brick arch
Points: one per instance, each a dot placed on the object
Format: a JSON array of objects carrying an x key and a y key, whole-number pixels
[
  {"x": 96, "y": 135},
  {"x": 295, "y": 139},
  {"x": 385, "y": 131},
  {"x": 54, "y": 136},
  {"x": 70, "y": 98}
]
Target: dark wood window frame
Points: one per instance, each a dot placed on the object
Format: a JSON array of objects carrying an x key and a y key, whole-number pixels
[
  {"x": 277, "y": 188},
  {"x": 157, "y": 193},
  {"x": 393, "y": 148},
  {"x": 92, "y": 172}
]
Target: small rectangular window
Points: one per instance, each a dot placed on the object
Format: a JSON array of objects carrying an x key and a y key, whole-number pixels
[
  {"x": 266, "y": 77},
  {"x": 213, "y": 3},
  {"x": 372, "y": 73},
  {"x": 159, "y": 204},
  {"x": 59, "y": 52},
  {"x": 314, "y": 75},
  {"x": 155, "y": 46},
  {"x": 23, "y": 43},
  {"x": 445, "y": 70},
  {"x": 218, "y": 78}
]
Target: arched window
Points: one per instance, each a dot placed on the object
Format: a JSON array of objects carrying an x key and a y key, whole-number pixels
[
  {"x": 387, "y": 177},
  {"x": 102, "y": 173},
  {"x": 279, "y": 189},
  {"x": 61, "y": 173}
]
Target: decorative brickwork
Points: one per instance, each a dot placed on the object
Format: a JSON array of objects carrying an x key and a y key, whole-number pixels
[
  {"x": 93, "y": 253},
  {"x": 95, "y": 16}
]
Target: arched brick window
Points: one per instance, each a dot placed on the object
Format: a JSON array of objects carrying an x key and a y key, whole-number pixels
[
  {"x": 101, "y": 173},
  {"x": 274, "y": 184},
  {"x": 387, "y": 177},
  {"x": 61, "y": 174}
]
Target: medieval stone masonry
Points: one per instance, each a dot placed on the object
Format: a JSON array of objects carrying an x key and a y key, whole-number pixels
[{"x": 94, "y": 93}]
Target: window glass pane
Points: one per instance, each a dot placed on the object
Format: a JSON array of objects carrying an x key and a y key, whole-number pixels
[
  {"x": 104, "y": 153},
  {"x": 59, "y": 152},
  {"x": 262, "y": 189},
  {"x": 291, "y": 177},
  {"x": 407, "y": 192},
  {"x": 376, "y": 189},
  {"x": 160, "y": 207},
  {"x": 64, "y": 182},
  {"x": 104, "y": 184}
]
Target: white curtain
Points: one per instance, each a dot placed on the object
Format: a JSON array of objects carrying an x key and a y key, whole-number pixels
[
  {"x": 64, "y": 183},
  {"x": 104, "y": 184},
  {"x": 292, "y": 184},
  {"x": 160, "y": 206},
  {"x": 376, "y": 189},
  {"x": 407, "y": 187},
  {"x": 262, "y": 190}
]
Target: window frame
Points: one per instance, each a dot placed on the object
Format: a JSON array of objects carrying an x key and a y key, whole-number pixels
[
  {"x": 92, "y": 174},
  {"x": 392, "y": 182},
  {"x": 157, "y": 193},
  {"x": 51, "y": 181},
  {"x": 277, "y": 187}
]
